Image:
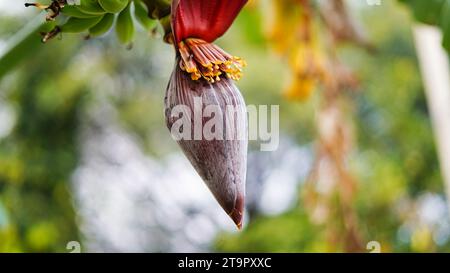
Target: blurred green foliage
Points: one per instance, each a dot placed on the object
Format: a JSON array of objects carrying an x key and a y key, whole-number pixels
[
  {"x": 396, "y": 155},
  {"x": 37, "y": 158}
]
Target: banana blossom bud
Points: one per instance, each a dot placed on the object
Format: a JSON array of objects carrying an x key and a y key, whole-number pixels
[{"x": 202, "y": 82}]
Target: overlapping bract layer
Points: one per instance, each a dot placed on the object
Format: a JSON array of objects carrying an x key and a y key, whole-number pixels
[{"x": 203, "y": 19}]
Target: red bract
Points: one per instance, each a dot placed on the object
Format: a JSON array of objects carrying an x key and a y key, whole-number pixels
[{"x": 203, "y": 19}]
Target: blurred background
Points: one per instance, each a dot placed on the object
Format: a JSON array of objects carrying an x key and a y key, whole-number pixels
[{"x": 85, "y": 154}]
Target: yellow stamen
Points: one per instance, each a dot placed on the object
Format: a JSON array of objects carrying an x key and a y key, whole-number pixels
[{"x": 208, "y": 61}]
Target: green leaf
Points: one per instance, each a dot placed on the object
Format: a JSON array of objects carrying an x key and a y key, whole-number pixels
[{"x": 22, "y": 45}]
